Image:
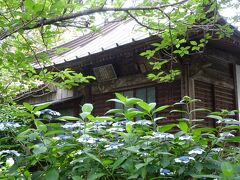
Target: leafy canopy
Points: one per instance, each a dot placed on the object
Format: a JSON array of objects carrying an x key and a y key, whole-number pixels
[{"x": 28, "y": 28}]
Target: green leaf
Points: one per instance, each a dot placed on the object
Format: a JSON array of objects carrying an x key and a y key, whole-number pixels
[
  {"x": 84, "y": 114},
  {"x": 166, "y": 127},
  {"x": 39, "y": 149},
  {"x": 118, "y": 162},
  {"x": 77, "y": 178},
  {"x": 161, "y": 108},
  {"x": 205, "y": 176},
  {"x": 94, "y": 157},
  {"x": 144, "y": 106},
  {"x": 68, "y": 118},
  {"x": 227, "y": 169},
  {"x": 200, "y": 110},
  {"x": 95, "y": 176},
  {"x": 134, "y": 149},
  {"x": 183, "y": 126},
  {"x": 114, "y": 111},
  {"x": 121, "y": 97},
  {"x": 42, "y": 106},
  {"x": 140, "y": 165},
  {"x": 194, "y": 43},
  {"x": 28, "y": 106},
  {"x": 52, "y": 174},
  {"x": 129, "y": 128},
  {"x": 87, "y": 107},
  {"x": 40, "y": 126},
  {"x": 215, "y": 117}
]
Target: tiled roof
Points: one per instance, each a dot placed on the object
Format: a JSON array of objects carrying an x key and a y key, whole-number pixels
[{"x": 112, "y": 35}]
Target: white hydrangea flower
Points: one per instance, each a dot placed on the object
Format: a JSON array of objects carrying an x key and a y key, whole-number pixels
[
  {"x": 163, "y": 135},
  {"x": 78, "y": 124},
  {"x": 143, "y": 122},
  {"x": 10, "y": 162},
  {"x": 113, "y": 130},
  {"x": 114, "y": 145},
  {"x": 6, "y": 125},
  {"x": 217, "y": 149},
  {"x": 87, "y": 139},
  {"x": 62, "y": 137},
  {"x": 185, "y": 137},
  {"x": 226, "y": 134},
  {"x": 196, "y": 151},
  {"x": 184, "y": 159},
  {"x": 10, "y": 152}
]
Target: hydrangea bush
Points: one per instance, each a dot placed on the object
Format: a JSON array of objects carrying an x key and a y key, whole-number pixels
[{"x": 128, "y": 143}]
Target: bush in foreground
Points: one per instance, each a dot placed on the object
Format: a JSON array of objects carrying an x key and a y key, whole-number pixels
[{"x": 129, "y": 143}]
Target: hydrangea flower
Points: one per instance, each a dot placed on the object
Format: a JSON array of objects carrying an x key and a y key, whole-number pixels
[
  {"x": 185, "y": 137},
  {"x": 50, "y": 112},
  {"x": 80, "y": 152},
  {"x": 184, "y": 159},
  {"x": 77, "y": 132},
  {"x": 113, "y": 130},
  {"x": 196, "y": 151},
  {"x": 217, "y": 149},
  {"x": 114, "y": 145},
  {"x": 120, "y": 123},
  {"x": 87, "y": 139},
  {"x": 226, "y": 134},
  {"x": 10, "y": 152},
  {"x": 148, "y": 137},
  {"x": 165, "y": 172},
  {"x": 78, "y": 124},
  {"x": 62, "y": 137},
  {"x": 9, "y": 162},
  {"x": 144, "y": 122},
  {"x": 163, "y": 135},
  {"x": 6, "y": 125}
]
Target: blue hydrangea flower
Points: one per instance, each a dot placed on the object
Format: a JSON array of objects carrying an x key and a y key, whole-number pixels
[
  {"x": 50, "y": 112},
  {"x": 120, "y": 123},
  {"x": 184, "y": 159},
  {"x": 144, "y": 122},
  {"x": 196, "y": 151},
  {"x": 165, "y": 172},
  {"x": 185, "y": 137},
  {"x": 114, "y": 145}
]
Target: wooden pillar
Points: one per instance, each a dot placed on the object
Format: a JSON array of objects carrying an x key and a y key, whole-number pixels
[
  {"x": 187, "y": 84},
  {"x": 237, "y": 86}
]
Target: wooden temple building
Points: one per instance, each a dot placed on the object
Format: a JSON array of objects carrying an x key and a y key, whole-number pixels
[{"x": 112, "y": 56}]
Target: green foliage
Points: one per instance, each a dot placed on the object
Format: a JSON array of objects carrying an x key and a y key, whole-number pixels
[
  {"x": 29, "y": 28},
  {"x": 115, "y": 147}
]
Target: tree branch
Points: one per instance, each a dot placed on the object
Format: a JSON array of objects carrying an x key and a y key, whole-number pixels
[{"x": 43, "y": 21}]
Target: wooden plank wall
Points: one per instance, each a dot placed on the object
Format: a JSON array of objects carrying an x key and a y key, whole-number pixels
[
  {"x": 214, "y": 98},
  {"x": 99, "y": 103},
  {"x": 168, "y": 94}
]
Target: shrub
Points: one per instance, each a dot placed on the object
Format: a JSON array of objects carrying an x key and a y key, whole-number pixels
[{"x": 128, "y": 143}]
